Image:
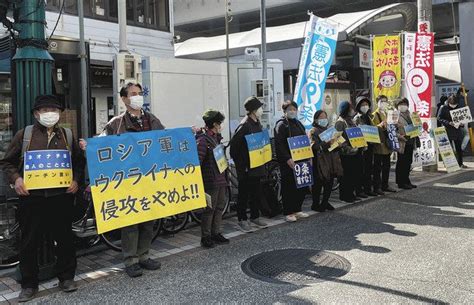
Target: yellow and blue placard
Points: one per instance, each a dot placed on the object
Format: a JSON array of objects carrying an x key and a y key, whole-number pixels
[
  {"x": 260, "y": 150},
  {"x": 45, "y": 169},
  {"x": 412, "y": 131},
  {"x": 142, "y": 176},
  {"x": 415, "y": 118},
  {"x": 303, "y": 173},
  {"x": 356, "y": 137},
  {"x": 220, "y": 158},
  {"x": 300, "y": 148},
  {"x": 328, "y": 134},
  {"x": 371, "y": 133}
]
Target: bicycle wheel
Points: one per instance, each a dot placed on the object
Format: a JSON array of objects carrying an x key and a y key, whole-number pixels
[
  {"x": 275, "y": 177},
  {"x": 113, "y": 239},
  {"x": 196, "y": 215},
  {"x": 335, "y": 184},
  {"x": 156, "y": 229},
  {"x": 9, "y": 235},
  {"x": 174, "y": 224}
]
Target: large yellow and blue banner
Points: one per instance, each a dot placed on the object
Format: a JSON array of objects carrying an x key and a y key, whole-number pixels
[
  {"x": 45, "y": 169},
  {"x": 260, "y": 149},
  {"x": 300, "y": 148},
  {"x": 387, "y": 66},
  {"x": 142, "y": 176},
  {"x": 316, "y": 58},
  {"x": 371, "y": 133}
]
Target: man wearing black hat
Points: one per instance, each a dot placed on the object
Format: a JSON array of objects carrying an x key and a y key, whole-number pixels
[
  {"x": 250, "y": 188},
  {"x": 44, "y": 211}
]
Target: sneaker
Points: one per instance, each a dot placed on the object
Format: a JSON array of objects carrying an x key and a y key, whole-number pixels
[
  {"x": 349, "y": 200},
  {"x": 389, "y": 189},
  {"x": 150, "y": 264},
  {"x": 329, "y": 207},
  {"x": 404, "y": 187},
  {"x": 134, "y": 270},
  {"x": 27, "y": 294},
  {"x": 379, "y": 192},
  {"x": 259, "y": 223},
  {"x": 413, "y": 186},
  {"x": 301, "y": 215},
  {"x": 220, "y": 239},
  {"x": 207, "y": 242},
  {"x": 67, "y": 285},
  {"x": 463, "y": 166},
  {"x": 244, "y": 226},
  {"x": 362, "y": 195},
  {"x": 291, "y": 218}
]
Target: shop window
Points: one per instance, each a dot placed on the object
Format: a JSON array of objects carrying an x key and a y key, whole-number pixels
[
  {"x": 140, "y": 6},
  {"x": 70, "y": 6},
  {"x": 130, "y": 12},
  {"x": 99, "y": 8},
  {"x": 113, "y": 9}
]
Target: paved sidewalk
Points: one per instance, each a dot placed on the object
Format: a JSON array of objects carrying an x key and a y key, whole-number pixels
[{"x": 106, "y": 263}]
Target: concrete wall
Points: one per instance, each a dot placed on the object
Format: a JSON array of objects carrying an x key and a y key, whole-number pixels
[{"x": 466, "y": 11}]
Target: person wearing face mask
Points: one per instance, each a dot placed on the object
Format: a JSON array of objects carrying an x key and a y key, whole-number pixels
[
  {"x": 215, "y": 182},
  {"x": 44, "y": 211},
  {"x": 351, "y": 158},
  {"x": 407, "y": 145},
  {"x": 382, "y": 151},
  {"x": 364, "y": 117},
  {"x": 326, "y": 164},
  {"x": 136, "y": 239},
  {"x": 455, "y": 133},
  {"x": 250, "y": 188},
  {"x": 286, "y": 127}
]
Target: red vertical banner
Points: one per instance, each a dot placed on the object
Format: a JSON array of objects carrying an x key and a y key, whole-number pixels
[{"x": 418, "y": 64}]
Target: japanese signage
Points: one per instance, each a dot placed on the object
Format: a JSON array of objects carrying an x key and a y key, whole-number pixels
[
  {"x": 141, "y": 176},
  {"x": 392, "y": 137},
  {"x": 387, "y": 70},
  {"x": 260, "y": 150},
  {"x": 364, "y": 58},
  {"x": 448, "y": 89},
  {"x": 300, "y": 148},
  {"x": 356, "y": 137},
  {"x": 221, "y": 160},
  {"x": 45, "y": 169},
  {"x": 371, "y": 133},
  {"x": 393, "y": 116},
  {"x": 461, "y": 115},
  {"x": 445, "y": 150},
  {"x": 419, "y": 58},
  {"x": 425, "y": 155},
  {"x": 303, "y": 172},
  {"x": 415, "y": 118},
  {"x": 412, "y": 131},
  {"x": 316, "y": 58}
]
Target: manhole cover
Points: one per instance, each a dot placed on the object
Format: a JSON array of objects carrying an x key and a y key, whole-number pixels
[{"x": 295, "y": 266}]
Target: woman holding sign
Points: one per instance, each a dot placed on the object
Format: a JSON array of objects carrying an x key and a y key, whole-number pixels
[
  {"x": 213, "y": 174},
  {"x": 293, "y": 194}
]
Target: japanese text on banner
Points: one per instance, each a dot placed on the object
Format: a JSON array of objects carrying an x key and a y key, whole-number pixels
[
  {"x": 303, "y": 173},
  {"x": 418, "y": 67},
  {"x": 356, "y": 137},
  {"x": 387, "y": 66},
  {"x": 316, "y": 59},
  {"x": 260, "y": 150},
  {"x": 141, "y": 176},
  {"x": 44, "y": 169},
  {"x": 393, "y": 141},
  {"x": 461, "y": 115},
  {"x": 300, "y": 148}
]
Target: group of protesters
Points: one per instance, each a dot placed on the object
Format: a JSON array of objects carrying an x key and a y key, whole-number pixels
[{"x": 362, "y": 172}]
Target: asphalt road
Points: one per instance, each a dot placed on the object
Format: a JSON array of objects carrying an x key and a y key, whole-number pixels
[{"x": 411, "y": 247}]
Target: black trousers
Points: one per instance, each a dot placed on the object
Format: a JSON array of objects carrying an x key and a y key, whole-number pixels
[
  {"x": 365, "y": 184},
  {"x": 403, "y": 168},
  {"x": 321, "y": 186},
  {"x": 41, "y": 216},
  {"x": 352, "y": 166},
  {"x": 457, "y": 146},
  {"x": 250, "y": 190},
  {"x": 292, "y": 197},
  {"x": 381, "y": 171}
]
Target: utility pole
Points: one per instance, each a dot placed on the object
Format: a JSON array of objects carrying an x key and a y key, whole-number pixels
[
  {"x": 83, "y": 58},
  {"x": 122, "y": 20},
  {"x": 228, "y": 19},
  {"x": 425, "y": 15},
  {"x": 33, "y": 64},
  {"x": 263, "y": 27}
]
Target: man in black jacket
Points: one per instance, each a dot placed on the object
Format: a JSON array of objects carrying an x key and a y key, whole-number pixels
[
  {"x": 454, "y": 131},
  {"x": 250, "y": 188}
]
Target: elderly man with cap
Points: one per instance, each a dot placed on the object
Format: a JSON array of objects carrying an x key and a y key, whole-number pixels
[
  {"x": 250, "y": 188},
  {"x": 215, "y": 182},
  {"x": 44, "y": 211}
]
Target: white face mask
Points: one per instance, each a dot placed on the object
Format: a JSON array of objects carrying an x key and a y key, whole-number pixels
[
  {"x": 259, "y": 112},
  {"x": 136, "y": 102},
  {"x": 48, "y": 119},
  {"x": 403, "y": 108},
  {"x": 364, "y": 109},
  {"x": 291, "y": 114}
]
